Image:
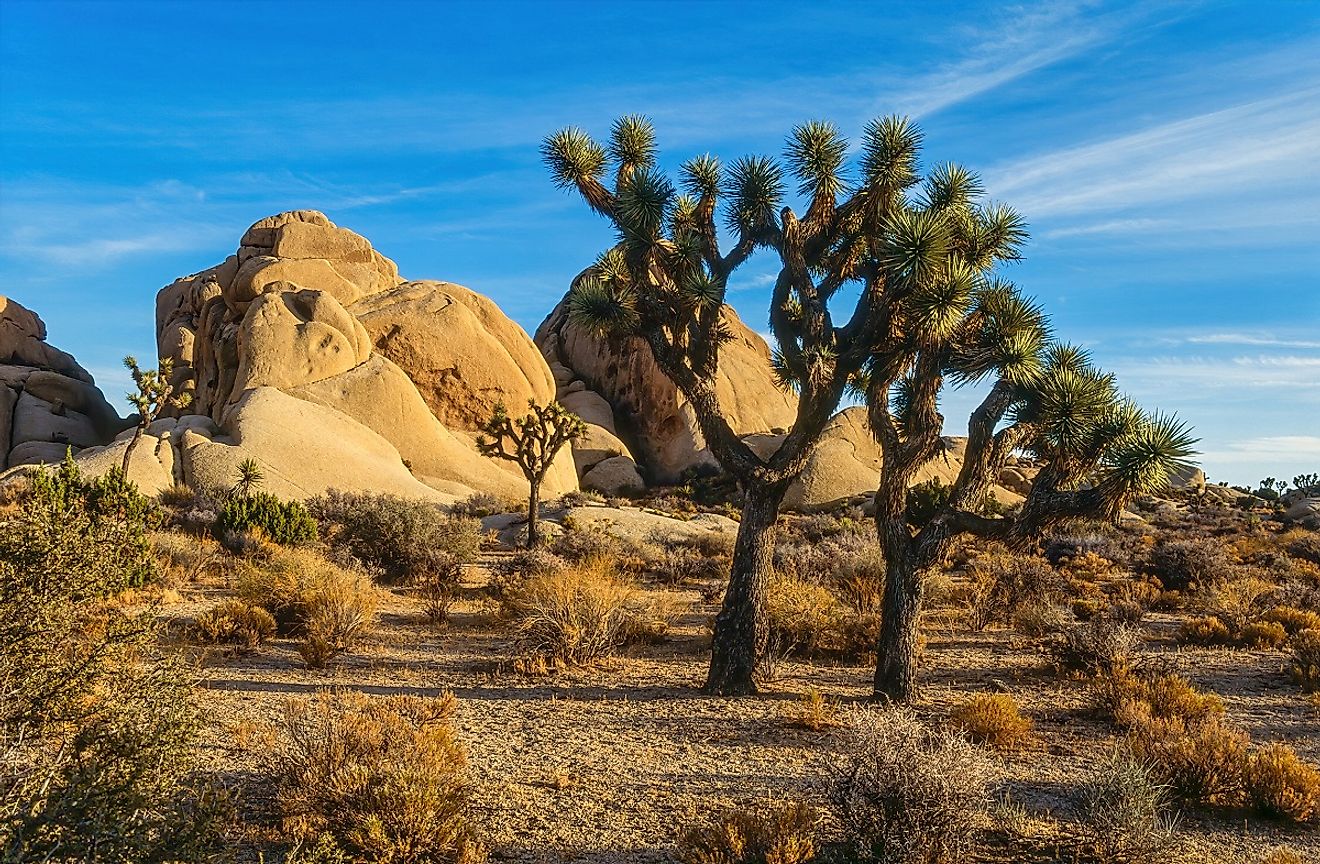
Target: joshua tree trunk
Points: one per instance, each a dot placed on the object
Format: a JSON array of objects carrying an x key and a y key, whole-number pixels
[
  {"x": 132, "y": 445},
  {"x": 533, "y": 512},
  {"x": 740, "y": 626},
  {"x": 895, "y": 668}
]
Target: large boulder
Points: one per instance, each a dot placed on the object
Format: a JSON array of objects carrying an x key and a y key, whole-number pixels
[
  {"x": 49, "y": 404},
  {"x": 649, "y": 413},
  {"x": 310, "y": 311}
]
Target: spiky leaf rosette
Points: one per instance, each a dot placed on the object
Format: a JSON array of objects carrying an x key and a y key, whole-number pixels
[
  {"x": 815, "y": 152},
  {"x": 700, "y": 176},
  {"x": 936, "y": 307},
  {"x": 606, "y": 308},
  {"x": 890, "y": 147},
  {"x": 755, "y": 188},
  {"x": 1068, "y": 409},
  {"x": 644, "y": 203},
  {"x": 1143, "y": 460},
  {"x": 951, "y": 187},
  {"x": 632, "y": 142},
  {"x": 1010, "y": 334},
  {"x": 914, "y": 246},
  {"x": 572, "y": 156}
]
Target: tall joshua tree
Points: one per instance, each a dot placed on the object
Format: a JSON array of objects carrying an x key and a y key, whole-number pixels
[
  {"x": 535, "y": 439},
  {"x": 919, "y": 263},
  {"x": 154, "y": 394}
]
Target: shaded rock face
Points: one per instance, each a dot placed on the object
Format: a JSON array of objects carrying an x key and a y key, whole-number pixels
[
  {"x": 306, "y": 351},
  {"x": 618, "y": 388},
  {"x": 48, "y": 403}
]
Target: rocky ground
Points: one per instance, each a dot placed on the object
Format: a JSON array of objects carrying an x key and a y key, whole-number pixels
[{"x": 611, "y": 763}]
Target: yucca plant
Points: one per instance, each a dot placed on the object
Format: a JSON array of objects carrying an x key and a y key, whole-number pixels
[{"x": 918, "y": 256}]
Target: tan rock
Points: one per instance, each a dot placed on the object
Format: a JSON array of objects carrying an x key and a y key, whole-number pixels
[
  {"x": 615, "y": 477},
  {"x": 845, "y": 463},
  {"x": 289, "y": 338},
  {"x": 38, "y": 453},
  {"x": 36, "y": 420},
  {"x": 597, "y": 445},
  {"x": 463, "y": 353},
  {"x": 8, "y": 399},
  {"x": 311, "y": 273},
  {"x": 77, "y": 396},
  {"x": 591, "y": 407},
  {"x": 664, "y": 426},
  {"x": 23, "y": 342},
  {"x": 1191, "y": 478}
]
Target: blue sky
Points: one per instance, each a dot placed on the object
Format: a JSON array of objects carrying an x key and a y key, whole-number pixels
[{"x": 1167, "y": 157}]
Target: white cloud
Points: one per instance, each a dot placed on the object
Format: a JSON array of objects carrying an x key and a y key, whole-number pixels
[
  {"x": 1270, "y": 448},
  {"x": 1251, "y": 339}
]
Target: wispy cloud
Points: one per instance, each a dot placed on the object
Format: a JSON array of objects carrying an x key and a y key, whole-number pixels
[
  {"x": 1251, "y": 339},
  {"x": 1268, "y": 449},
  {"x": 1262, "y": 144}
]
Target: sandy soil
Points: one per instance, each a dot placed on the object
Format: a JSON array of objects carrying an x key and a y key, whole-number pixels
[{"x": 610, "y": 764}]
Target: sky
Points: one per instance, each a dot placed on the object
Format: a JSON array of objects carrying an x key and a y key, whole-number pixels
[{"x": 1165, "y": 155}]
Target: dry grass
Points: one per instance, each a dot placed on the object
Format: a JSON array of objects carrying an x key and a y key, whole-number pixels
[
  {"x": 382, "y": 778},
  {"x": 1280, "y": 785},
  {"x": 773, "y": 834},
  {"x": 1199, "y": 763},
  {"x": 1304, "y": 663},
  {"x": 994, "y": 719},
  {"x": 813, "y": 711},
  {"x": 233, "y": 623}
]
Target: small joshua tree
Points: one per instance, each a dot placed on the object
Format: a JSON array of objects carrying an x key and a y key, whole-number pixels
[
  {"x": 154, "y": 394},
  {"x": 532, "y": 441},
  {"x": 250, "y": 477}
]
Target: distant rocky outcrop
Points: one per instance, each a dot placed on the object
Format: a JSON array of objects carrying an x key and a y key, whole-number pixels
[
  {"x": 634, "y": 411},
  {"x": 306, "y": 351},
  {"x": 48, "y": 403}
]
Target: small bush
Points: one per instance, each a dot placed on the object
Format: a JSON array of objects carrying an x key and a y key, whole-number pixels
[
  {"x": 439, "y": 587},
  {"x": 1036, "y": 621},
  {"x": 1280, "y": 785},
  {"x": 581, "y": 545},
  {"x": 1305, "y": 546},
  {"x": 994, "y": 719},
  {"x": 338, "y": 616},
  {"x": 236, "y": 623},
  {"x": 1002, "y": 584},
  {"x": 1293, "y": 619},
  {"x": 1239, "y": 601},
  {"x": 574, "y": 615},
  {"x": 1304, "y": 662},
  {"x": 813, "y": 711},
  {"x": 397, "y": 537},
  {"x": 1098, "y": 646},
  {"x": 1263, "y": 635},
  {"x": 1134, "y": 699},
  {"x": 1123, "y": 812},
  {"x": 1205, "y": 630},
  {"x": 382, "y": 778},
  {"x": 800, "y": 616},
  {"x": 905, "y": 793},
  {"x": 1282, "y": 855},
  {"x": 682, "y": 564},
  {"x": 784, "y": 834},
  {"x": 1189, "y": 565},
  {"x": 1200, "y": 763},
  {"x": 285, "y": 522}
]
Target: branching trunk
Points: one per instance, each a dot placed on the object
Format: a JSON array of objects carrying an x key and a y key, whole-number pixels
[{"x": 740, "y": 626}]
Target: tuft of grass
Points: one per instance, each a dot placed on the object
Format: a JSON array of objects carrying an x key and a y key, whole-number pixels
[
  {"x": 1124, "y": 816},
  {"x": 784, "y": 834},
  {"x": 1304, "y": 659},
  {"x": 813, "y": 711},
  {"x": 993, "y": 719}
]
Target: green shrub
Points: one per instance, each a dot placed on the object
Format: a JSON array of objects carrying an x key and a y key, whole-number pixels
[
  {"x": 783, "y": 834},
  {"x": 1123, "y": 812},
  {"x": 376, "y": 779},
  {"x": 397, "y": 537},
  {"x": 97, "y": 733},
  {"x": 285, "y": 522}
]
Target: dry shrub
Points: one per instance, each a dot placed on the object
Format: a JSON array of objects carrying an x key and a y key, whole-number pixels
[
  {"x": 1205, "y": 630},
  {"x": 906, "y": 793},
  {"x": 1087, "y": 567},
  {"x": 181, "y": 559},
  {"x": 994, "y": 719},
  {"x": 1280, "y": 785},
  {"x": 1002, "y": 583},
  {"x": 438, "y": 586},
  {"x": 679, "y": 564},
  {"x": 766, "y": 835},
  {"x": 1200, "y": 763},
  {"x": 806, "y": 619},
  {"x": 1134, "y": 699},
  {"x": 1095, "y": 647},
  {"x": 1292, "y": 619},
  {"x": 1189, "y": 565},
  {"x": 382, "y": 778},
  {"x": 1303, "y": 544},
  {"x": 399, "y": 538},
  {"x": 1304, "y": 662},
  {"x": 234, "y": 622},
  {"x": 331, "y": 607},
  {"x": 813, "y": 711},
  {"x": 577, "y": 544},
  {"x": 1282, "y": 855},
  {"x": 1039, "y": 620},
  {"x": 1263, "y": 635},
  {"x": 1123, "y": 812},
  {"x": 577, "y": 614},
  {"x": 1238, "y": 602}
]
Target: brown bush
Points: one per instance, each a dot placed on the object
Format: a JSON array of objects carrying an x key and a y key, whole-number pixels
[
  {"x": 813, "y": 711},
  {"x": 1003, "y": 583},
  {"x": 1282, "y": 855},
  {"x": 1189, "y": 565},
  {"x": 1263, "y": 635},
  {"x": 784, "y": 834},
  {"x": 1302, "y": 544},
  {"x": 438, "y": 586},
  {"x": 1200, "y": 763},
  {"x": 994, "y": 719},
  {"x": 905, "y": 793},
  {"x": 577, "y": 614},
  {"x": 1098, "y": 646},
  {"x": 1205, "y": 630},
  {"x": 1240, "y": 601},
  {"x": 1304, "y": 662},
  {"x": 382, "y": 777},
  {"x": 1134, "y": 699},
  {"x": 234, "y": 622},
  {"x": 1292, "y": 619},
  {"x": 1280, "y": 785}
]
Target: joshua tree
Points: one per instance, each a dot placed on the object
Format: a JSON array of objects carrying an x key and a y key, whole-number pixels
[
  {"x": 919, "y": 265},
  {"x": 154, "y": 394},
  {"x": 535, "y": 439}
]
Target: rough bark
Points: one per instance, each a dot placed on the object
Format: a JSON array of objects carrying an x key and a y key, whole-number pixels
[
  {"x": 534, "y": 514},
  {"x": 132, "y": 445},
  {"x": 740, "y": 626}
]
